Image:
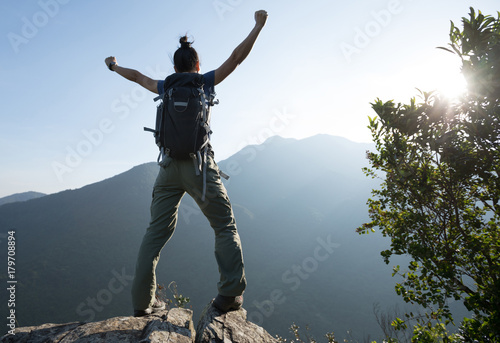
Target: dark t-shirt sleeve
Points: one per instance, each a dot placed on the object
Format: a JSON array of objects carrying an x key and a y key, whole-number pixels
[
  {"x": 160, "y": 86},
  {"x": 209, "y": 83}
]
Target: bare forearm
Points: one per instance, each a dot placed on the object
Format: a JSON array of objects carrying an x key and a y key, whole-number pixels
[
  {"x": 129, "y": 74},
  {"x": 132, "y": 75},
  {"x": 241, "y": 52}
]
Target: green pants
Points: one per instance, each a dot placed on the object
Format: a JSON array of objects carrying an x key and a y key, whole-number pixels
[{"x": 172, "y": 183}]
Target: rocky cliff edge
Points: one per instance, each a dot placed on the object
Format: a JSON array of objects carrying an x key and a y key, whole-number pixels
[{"x": 173, "y": 325}]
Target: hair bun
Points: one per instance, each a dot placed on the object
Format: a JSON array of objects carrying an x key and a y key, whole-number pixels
[{"x": 184, "y": 42}]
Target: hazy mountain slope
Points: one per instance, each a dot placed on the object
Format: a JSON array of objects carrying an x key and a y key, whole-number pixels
[
  {"x": 297, "y": 203},
  {"x": 310, "y": 190},
  {"x": 20, "y": 197},
  {"x": 67, "y": 242}
]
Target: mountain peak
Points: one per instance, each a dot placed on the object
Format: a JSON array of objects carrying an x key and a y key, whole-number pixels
[{"x": 278, "y": 140}]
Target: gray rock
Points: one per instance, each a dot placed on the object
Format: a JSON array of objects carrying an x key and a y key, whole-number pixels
[
  {"x": 215, "y": 327},
  {"x": 173, "y": 325}
]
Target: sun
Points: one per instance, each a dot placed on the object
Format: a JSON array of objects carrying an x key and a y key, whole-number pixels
[
  {"x": 442, "y": 74},
  {"x": 451, "y": 85}
]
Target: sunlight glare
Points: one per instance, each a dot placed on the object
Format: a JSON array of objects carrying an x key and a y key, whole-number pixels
[
  {"x": 442, "y": 74},
  {"x": 451, "y": 85}
]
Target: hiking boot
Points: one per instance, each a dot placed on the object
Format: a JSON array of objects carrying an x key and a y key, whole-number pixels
[
  {"x": 157, "y": 307},
  {"x": 225, "y": 304}
]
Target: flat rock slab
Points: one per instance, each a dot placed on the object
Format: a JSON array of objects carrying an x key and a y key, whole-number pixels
[{"x": 173, "y": 325}]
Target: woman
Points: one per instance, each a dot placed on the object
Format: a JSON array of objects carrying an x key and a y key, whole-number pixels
[{"x": 178, "y": 178}]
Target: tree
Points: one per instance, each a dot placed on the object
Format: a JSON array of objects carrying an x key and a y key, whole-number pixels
[{"x": 439, "y": 160}]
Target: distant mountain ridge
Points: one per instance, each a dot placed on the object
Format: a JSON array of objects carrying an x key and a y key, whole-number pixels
[
  {"x": 20, "y": 197},
  {"x": 296, "y": 202}
]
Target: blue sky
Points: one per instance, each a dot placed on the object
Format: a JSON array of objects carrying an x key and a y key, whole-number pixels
[{"x": 67, "y": 121}]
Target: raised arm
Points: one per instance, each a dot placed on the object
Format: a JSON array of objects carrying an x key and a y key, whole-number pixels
[
  {"x": 242, "y": 50},
  {"x": 132, "y": 75}
]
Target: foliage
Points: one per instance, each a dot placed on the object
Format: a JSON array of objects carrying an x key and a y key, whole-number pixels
[
  {"x": 385, "y": 319},
  {"x": 295, "y": 329},
  {"x": 439, "y": 200},
  {"x": 179, "y": 300}
]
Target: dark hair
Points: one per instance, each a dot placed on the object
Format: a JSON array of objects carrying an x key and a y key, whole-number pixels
[{"x": 186, "y": 57}]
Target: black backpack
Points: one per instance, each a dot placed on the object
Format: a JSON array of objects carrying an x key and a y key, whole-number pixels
[{"x": 182, "y": 128}]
